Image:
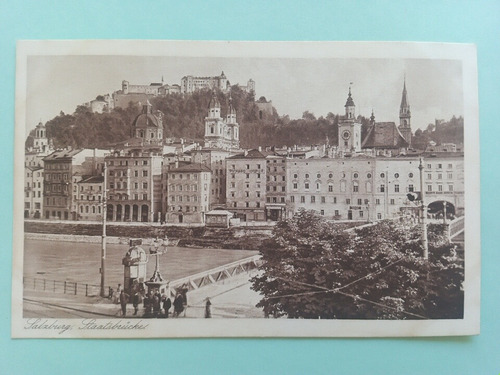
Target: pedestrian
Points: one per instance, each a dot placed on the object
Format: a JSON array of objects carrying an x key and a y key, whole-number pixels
[
  {"x": 156, "y": 305},
  {"x": 184, "y": 300},
  {"x": 178, "y": 305},
  {"x": 135, "y": 302},
  {"x": 208, "y": 312},
  {"x": 166, "y": 305},
  {"x": 123, "y": 302},
  {"x": 147, "y": 305},
  {"x": 118, "y": 293}
]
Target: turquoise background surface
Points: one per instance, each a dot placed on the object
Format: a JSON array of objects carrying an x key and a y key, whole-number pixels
[{"x": 440, "y": 21}]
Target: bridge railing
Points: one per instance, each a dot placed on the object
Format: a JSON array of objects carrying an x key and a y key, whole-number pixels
[
  {"x": 215, "y": 275},
  {"x": 456, "y": 226},
  {"x": 63, "y": 287}
]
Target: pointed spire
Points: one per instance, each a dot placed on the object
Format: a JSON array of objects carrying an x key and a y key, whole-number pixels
[
  {"x": 405, "y": 107},
  {"x": 372, "y": 118},
  {"x": 349, "y": 102}
]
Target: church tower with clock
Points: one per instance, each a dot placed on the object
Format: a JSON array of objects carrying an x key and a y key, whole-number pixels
[{"x": 349, "y": 136}]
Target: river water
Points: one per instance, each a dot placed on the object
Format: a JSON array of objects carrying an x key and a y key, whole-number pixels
[{"x": 80, "y": 262}]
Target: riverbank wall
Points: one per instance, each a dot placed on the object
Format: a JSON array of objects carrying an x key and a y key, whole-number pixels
[{"x": 245, "y": 238}]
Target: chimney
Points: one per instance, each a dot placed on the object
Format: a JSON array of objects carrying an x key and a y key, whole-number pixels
[{"x": 260, "y": 148}]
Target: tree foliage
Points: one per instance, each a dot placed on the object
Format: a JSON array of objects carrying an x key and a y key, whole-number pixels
[{"x": 315, "y": 269}]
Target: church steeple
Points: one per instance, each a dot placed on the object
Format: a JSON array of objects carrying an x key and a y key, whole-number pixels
[
  {"x": 350, "y": 107},
  {"x": 231, "y": 112},
  {"x": 214, "y": 106},
  {"x": 405, "y": 115}
]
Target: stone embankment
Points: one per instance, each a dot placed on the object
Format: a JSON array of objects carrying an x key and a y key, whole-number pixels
[{"x": 245, "y": 238}]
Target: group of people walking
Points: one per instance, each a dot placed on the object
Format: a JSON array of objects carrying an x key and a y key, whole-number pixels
[{"x": 155, "y": 305}]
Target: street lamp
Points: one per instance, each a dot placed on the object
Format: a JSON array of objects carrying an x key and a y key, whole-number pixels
[
  {"x": 423, "y": 210},
  {"x": 103, "y": 249}
]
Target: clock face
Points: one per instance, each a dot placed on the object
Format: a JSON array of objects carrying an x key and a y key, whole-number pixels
[{"x": 346, "y": 134}]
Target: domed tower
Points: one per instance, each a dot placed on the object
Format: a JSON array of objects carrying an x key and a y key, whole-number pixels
[
  {"x": 214, "y": 126},
  {"x": 233, "y": 128},
  {"x": 148, "y": 127},
  {"x": 405, "y": 116},
  {"x": 40, "y": 143},
  {"x": 349, "y": 135}
]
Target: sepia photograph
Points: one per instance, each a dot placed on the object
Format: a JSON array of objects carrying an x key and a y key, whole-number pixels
[{"x": 245, "y": 189}]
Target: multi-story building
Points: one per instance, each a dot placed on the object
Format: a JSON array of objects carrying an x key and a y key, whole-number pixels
[
  {"x": 215, "y": 159},
  {"x": 63, "y": 169},
  {"x": 275, "y": 187},
  {"x": 188, "y": 193},
  {"x": 33, "y": 192},
  {"x": 246, "y": 185},
  {"x": 374, "y": 188},
  {"x": 191, "y": 84},
  {"x": 89, "y": 198}
]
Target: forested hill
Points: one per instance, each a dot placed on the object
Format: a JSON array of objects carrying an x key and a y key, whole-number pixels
[{"x": 184, "y": 117}]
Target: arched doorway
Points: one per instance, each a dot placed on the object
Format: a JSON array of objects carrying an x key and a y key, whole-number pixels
[
  {"x": 144, "y": 212},
  {"x": 437, "y": 209},
  {"x": 109, "y": 212},
  {"x": 135, "y": 212},
  {"x": 126, "y": 216},
  {"x": 118, "y": 212}
]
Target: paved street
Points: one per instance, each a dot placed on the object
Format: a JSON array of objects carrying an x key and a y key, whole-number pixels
[{"x": 230, "y": 298}]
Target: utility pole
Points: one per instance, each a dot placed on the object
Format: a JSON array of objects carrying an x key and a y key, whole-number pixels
[
  {"x": 103, "y": 249},
  {"x": 423, "y": 210}
]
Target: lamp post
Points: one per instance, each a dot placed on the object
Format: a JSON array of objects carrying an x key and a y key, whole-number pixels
[
  {"x": 423, "y": 210},
  {"x": 103, "y": 248}
]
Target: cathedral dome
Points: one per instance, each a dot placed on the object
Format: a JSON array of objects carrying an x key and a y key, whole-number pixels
[{"x": 146, "y": 118}]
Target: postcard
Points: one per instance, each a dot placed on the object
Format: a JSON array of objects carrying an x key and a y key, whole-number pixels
[{"x": 245, "y": 189}]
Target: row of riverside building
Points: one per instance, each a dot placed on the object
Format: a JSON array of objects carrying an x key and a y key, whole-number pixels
[{"x": 147, "y": 179}]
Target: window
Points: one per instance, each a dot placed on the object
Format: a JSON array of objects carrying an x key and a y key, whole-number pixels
[
  {"x": 450, "y": 176},
  {"x": 292, "y": 199},
  {"x": 382, "y": 188},
  {"x": 440, "y": 176},
  {"x": 367, "y": 201},
  {"x": 429, "y": 166},
  {"x": 392, "y": 201},
  {"x": 382, "y": 175},
  {"x": 313, "y": 199},
  {"x": 330, "y": 188},
  {"x": 247, "y": 194},
  {"x": 348, "y": 201},
  {"x": 307, "y": 175},
  {"x": 334, "y": 199},
  {"x": 429, "y": 187},
  {"x": 144, "y": 173},
  {"x": 377, "y": 201},
  {"x": 247, "y": 175},
  {"x": 247, "y": 204},
  {"x": 360, "y": 202},
  {"x": 323, "y": 200},
  {"x": 450, "y": 187},
  {"x": 440, "y": 187},
  {"x": 450, "y": 166},
  {"x": 355, "y": 187},
  {"x": 145, "y": 197},
  {"x": 307, "y": 185},
  {"x": 440, "y": 166},
  {"x": 337, "y": 213},
  {"x": 295, "y": 175},
  {"x": 318, "y": 175},
  {"x": 248, "y": 166},
  {"x": 318, "y": 186},
  {"x": 360, "y": 213},
  {"x": 295, "y": 186},
  {"x": 379, "y": 216},
  {"x": 396, "y": 188},
  {"x": 396, "y": 175},
  {"x": 410, "y": 175},
  {"x": 322, "y": 212},
  {"x": 330, "y": 175},
  {"x": 302, "y": 199},
  {"x": 355, "y": 175},
  {"x": 411, "y": 188}
]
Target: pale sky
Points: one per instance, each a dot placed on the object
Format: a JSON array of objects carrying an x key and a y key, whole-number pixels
[{"x": 294, "y": 85}]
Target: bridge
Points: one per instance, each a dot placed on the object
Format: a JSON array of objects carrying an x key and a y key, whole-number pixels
[
  {"x": 215, "y": 275},
  {"x": 456, "y": 229}
]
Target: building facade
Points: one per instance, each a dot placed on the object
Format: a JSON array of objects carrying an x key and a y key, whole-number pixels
[
  {"x": 90, "y": 199},
  {"x": 188, "y": 193},
  {"x": 190, "y": 84},
  {"x": 63, "y": 170},
  {"x": 33, "y": 192},
  {"x": 246, "y": 185}
]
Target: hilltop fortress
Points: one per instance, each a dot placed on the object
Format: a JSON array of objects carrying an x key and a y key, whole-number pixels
[{"x": 142, "y": 93}]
